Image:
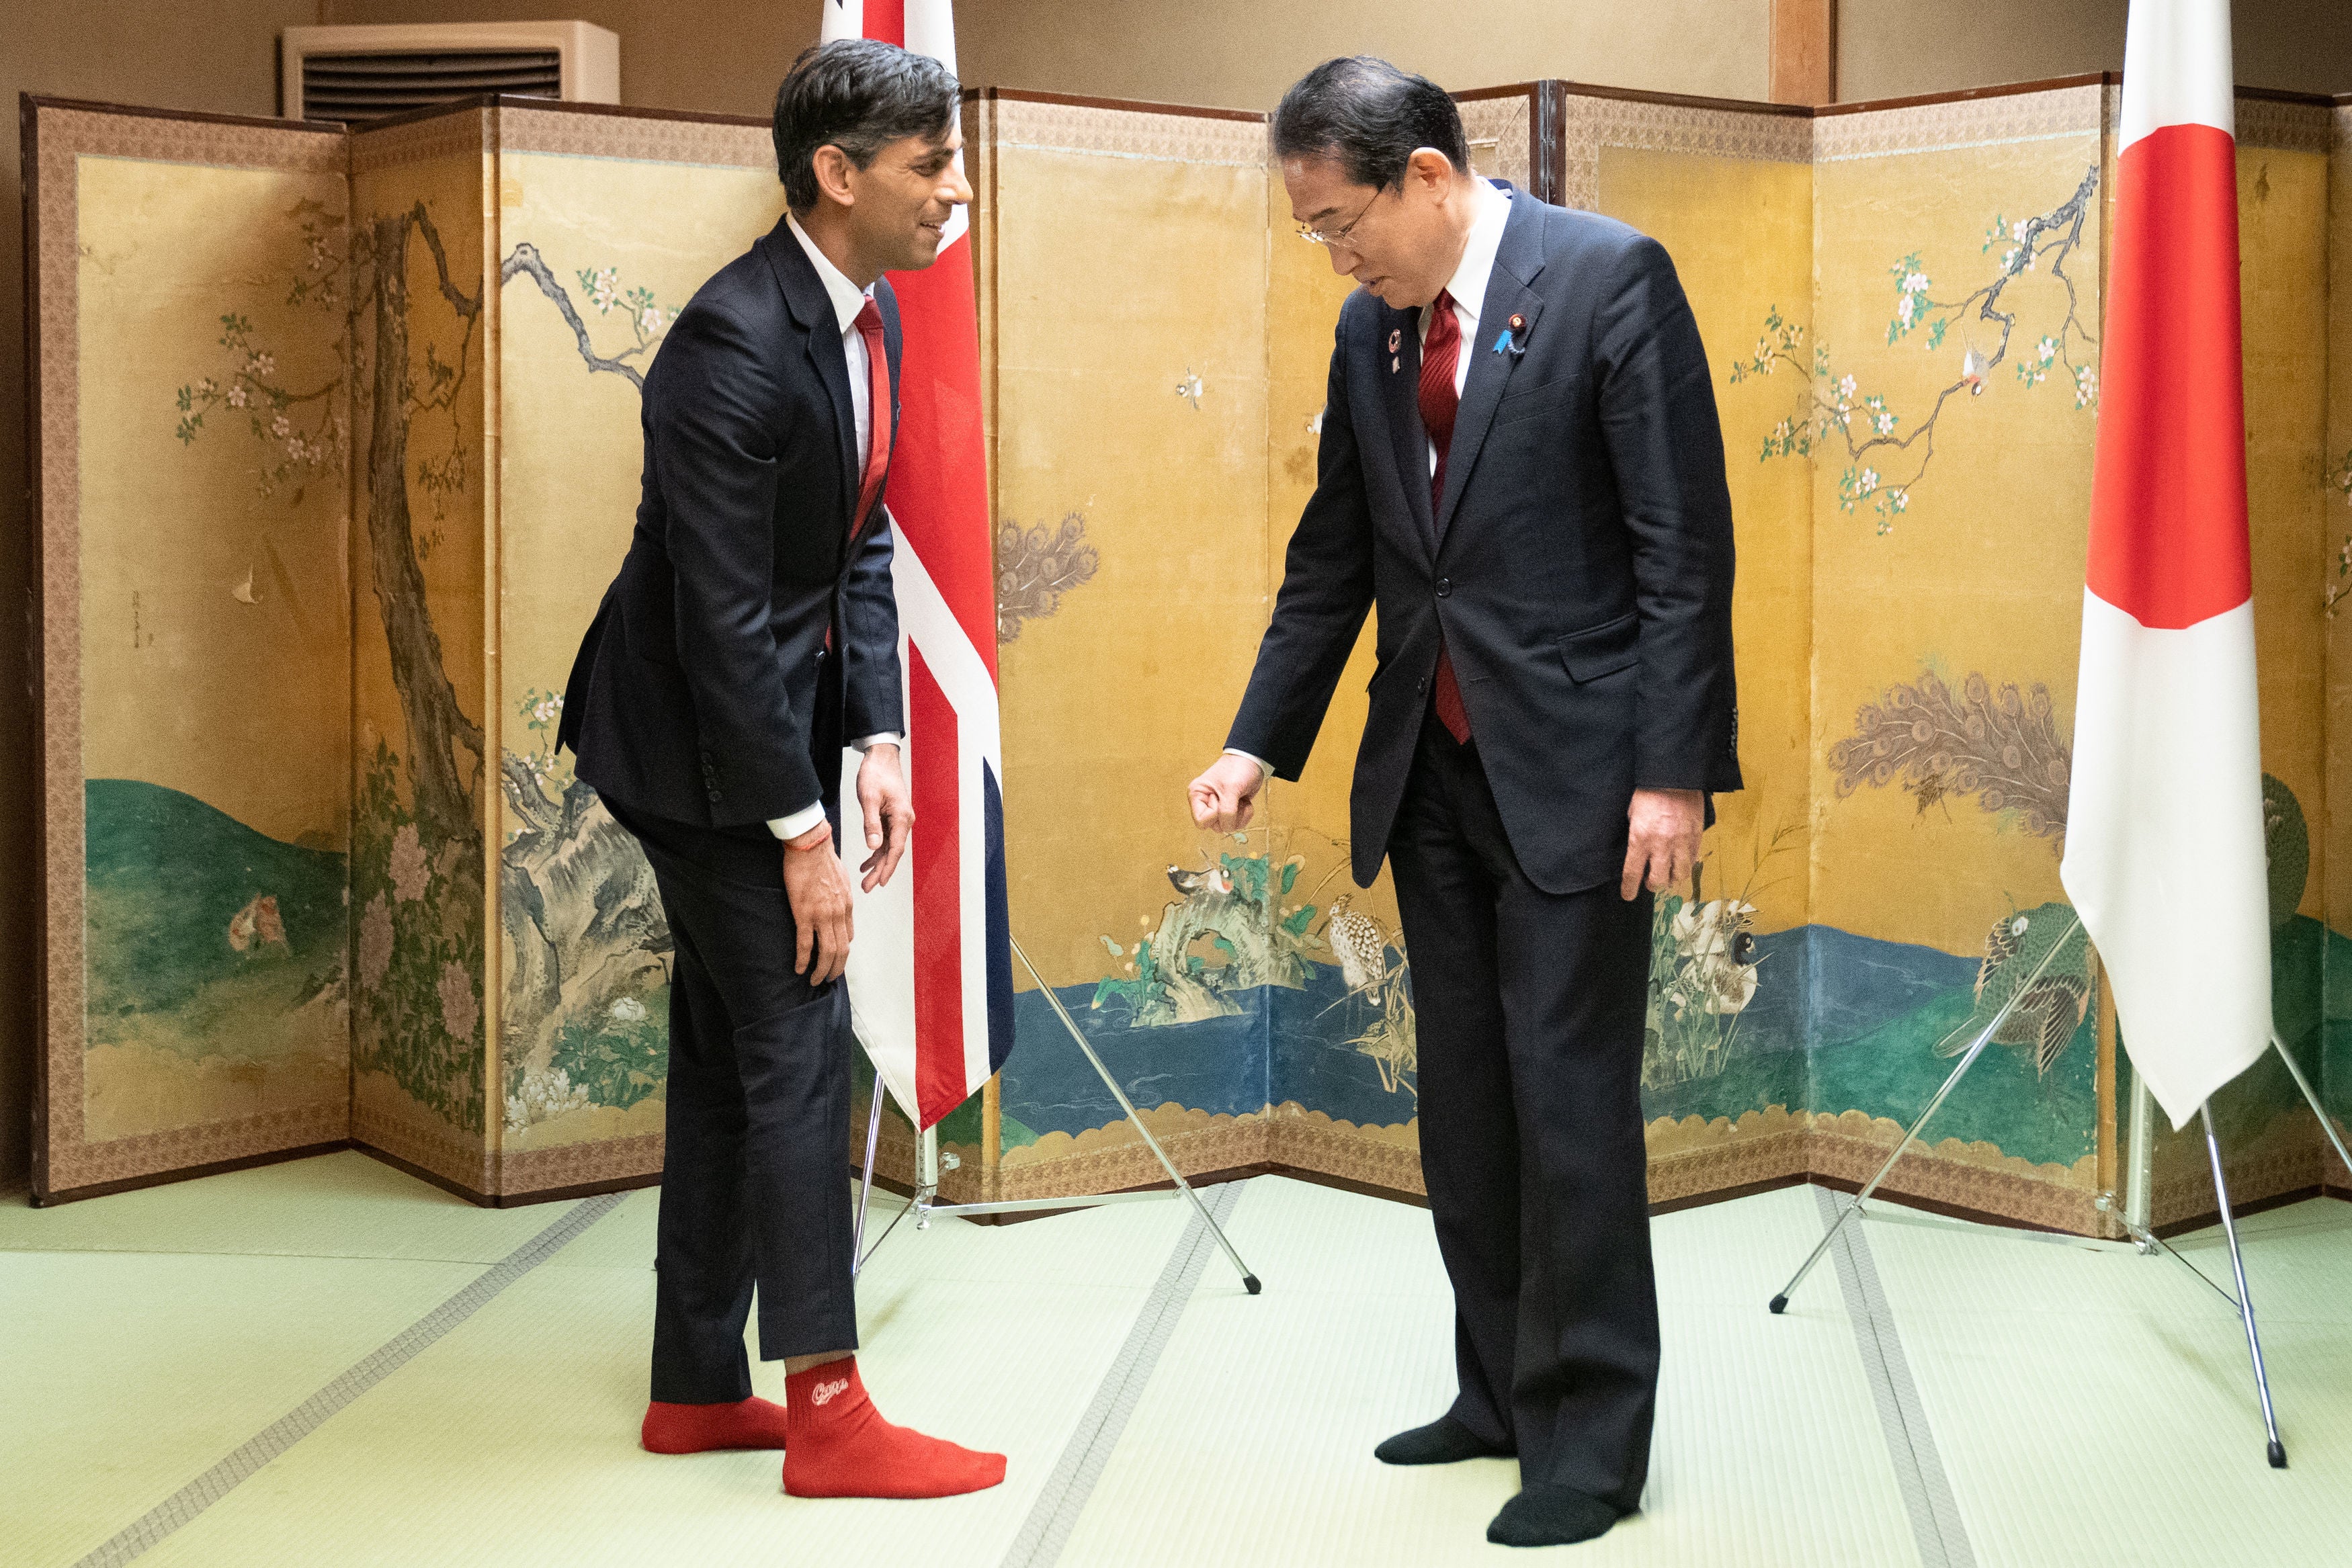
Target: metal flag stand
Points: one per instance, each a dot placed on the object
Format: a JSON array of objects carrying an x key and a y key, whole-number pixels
[
  {"x": 927, "y": 1165},
  {"x": 2137, "y": 1210}
]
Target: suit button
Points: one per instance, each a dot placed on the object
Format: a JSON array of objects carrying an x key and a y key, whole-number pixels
[
  {"x": 713, "y": 794},
  {"x": 1444, "y": 588}
]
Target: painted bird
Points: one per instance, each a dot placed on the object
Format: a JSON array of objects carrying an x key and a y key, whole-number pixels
[
  {"x": 257, "y": 925},
  {"x": 1356, "y": 937},
  {"x": 1972, "y": 372},
  {"x": 1189, "y": 883},
  {"x": 2052, "y": 1007}
]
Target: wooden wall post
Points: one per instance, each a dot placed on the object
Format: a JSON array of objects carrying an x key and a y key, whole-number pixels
[{"x": 1804, "y": 52}]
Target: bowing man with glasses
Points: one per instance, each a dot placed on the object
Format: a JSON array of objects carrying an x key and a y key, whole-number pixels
[{"x": 1521, "y": 469}]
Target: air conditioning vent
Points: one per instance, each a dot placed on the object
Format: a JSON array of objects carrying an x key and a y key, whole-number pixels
[
  {"x": 360, "y": 74},
  {"x": 358, "y": 88}
]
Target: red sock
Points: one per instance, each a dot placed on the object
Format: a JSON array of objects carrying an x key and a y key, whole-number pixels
[
  {"x": 699, "y": 1429},
  {"x": 841, "y": 1447}
]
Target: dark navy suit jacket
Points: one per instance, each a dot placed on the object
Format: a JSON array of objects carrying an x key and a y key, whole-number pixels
[
  {"x": 747, "y": 634},
  {"x": 1579, "y": 565}
]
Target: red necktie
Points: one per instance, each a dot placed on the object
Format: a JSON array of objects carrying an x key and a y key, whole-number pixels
[
  {"x": 877, "y": 411},
  {"x": 1439, "y": 403}
]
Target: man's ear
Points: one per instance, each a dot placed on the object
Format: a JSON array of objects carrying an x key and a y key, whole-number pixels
[
  {"x": 1429, "y": 169},
  {"x": 833, "y": 169}
]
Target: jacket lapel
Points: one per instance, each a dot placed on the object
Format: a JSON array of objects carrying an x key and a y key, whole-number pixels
[
  {"x": 811, "y": 306},
  {"x": 1406, "y": 433},
  {"x": 1517, "y": 260}
]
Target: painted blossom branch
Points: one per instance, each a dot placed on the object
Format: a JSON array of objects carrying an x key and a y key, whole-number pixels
[
  {"x": 525, "y": 259},
  {"x": 1829, "y": 408}
]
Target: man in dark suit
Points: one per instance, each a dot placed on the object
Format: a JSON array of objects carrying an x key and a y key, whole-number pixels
[
  {"x": 1522, "y": 468},
  {"x": 750, "y": 636}
]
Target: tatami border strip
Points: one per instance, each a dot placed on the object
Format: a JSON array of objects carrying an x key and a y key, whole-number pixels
[
  {"x": 1064, "y": 1496},
  {"x": 1919, "y": 1472},
  {"x": 182, "y": 1506}
]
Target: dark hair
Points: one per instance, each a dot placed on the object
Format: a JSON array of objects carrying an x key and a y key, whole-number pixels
[
  {"x": 859, "y": 95},
  {"x": 1369, "y": 117}
]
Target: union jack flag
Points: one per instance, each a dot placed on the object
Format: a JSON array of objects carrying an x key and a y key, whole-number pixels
[{"x": 930, "y": 969}]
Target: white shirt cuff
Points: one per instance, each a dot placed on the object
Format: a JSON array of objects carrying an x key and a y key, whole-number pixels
[
  {"x": 799, "y": 822},
  {"x": 1265, "y": 769},
  {"x": 808, "y": 816}
]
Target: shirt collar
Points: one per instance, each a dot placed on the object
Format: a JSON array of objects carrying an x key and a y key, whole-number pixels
[
  {"x": 848, "y": 299},
  {"x": 1469, "y": 285}
]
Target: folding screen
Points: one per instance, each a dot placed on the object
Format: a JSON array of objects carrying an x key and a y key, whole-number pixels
[
  {"x": 189, "y": 455},
  {"x": 1724, "y": 1062},
  {"x": 2335, "y": 537},
  {"x": 1933, "y": 401},
  {"x": 605, "y": 225},
  {"x": 270, "y": 351},
  {"x": 1161, "y": 341},
  {"x": 422, "y": 1052},
  {"x": 337, "y": 447}
]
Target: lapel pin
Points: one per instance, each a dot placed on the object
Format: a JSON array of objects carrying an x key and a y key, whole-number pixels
[
  {"x": 1396, "y": 337},
  {"x": 1514, "y": 337},
  {"x": 1395, "y": 364}
]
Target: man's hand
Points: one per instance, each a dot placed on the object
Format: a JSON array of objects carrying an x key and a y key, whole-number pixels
[
  {"x": 1225, "y": 798},
  {"x": 818, "y": 891},
  {"x": 1665, "y": 825},
  {"x": 889, "y": 813}
]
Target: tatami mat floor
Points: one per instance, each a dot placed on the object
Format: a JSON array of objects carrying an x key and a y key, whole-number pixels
[{"x": 1939, "y": 1396}]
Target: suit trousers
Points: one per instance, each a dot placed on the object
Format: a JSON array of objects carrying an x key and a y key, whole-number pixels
[
  {"x": 1529, "y": 1010},
  {"x": 753, "y": 1191}
]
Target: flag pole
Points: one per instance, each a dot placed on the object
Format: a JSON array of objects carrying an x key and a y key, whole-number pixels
[
  {"x": 927, "y": 1156},
  {"x": 2139, "y": 1163},
  {"x": 2277, "y": 1450},
  {"x": 1779, "y": 1303},
  {"x": 866, "y": 1189}
]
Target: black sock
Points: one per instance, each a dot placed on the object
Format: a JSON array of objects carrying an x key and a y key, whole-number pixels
[
  {"x": 1442, "y": 1442},
  {"x": 1550, "y": 1516}
]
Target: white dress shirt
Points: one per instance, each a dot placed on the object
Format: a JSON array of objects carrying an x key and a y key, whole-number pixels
[
  {"x": 848, "y": 300},
  {"x": 1468, "y": 287}
]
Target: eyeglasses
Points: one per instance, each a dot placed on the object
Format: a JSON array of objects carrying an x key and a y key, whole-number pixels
[{"x": 1339, "y": 236}]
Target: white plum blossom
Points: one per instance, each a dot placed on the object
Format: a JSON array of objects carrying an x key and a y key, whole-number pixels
[{"x": 237, "y": 396}]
